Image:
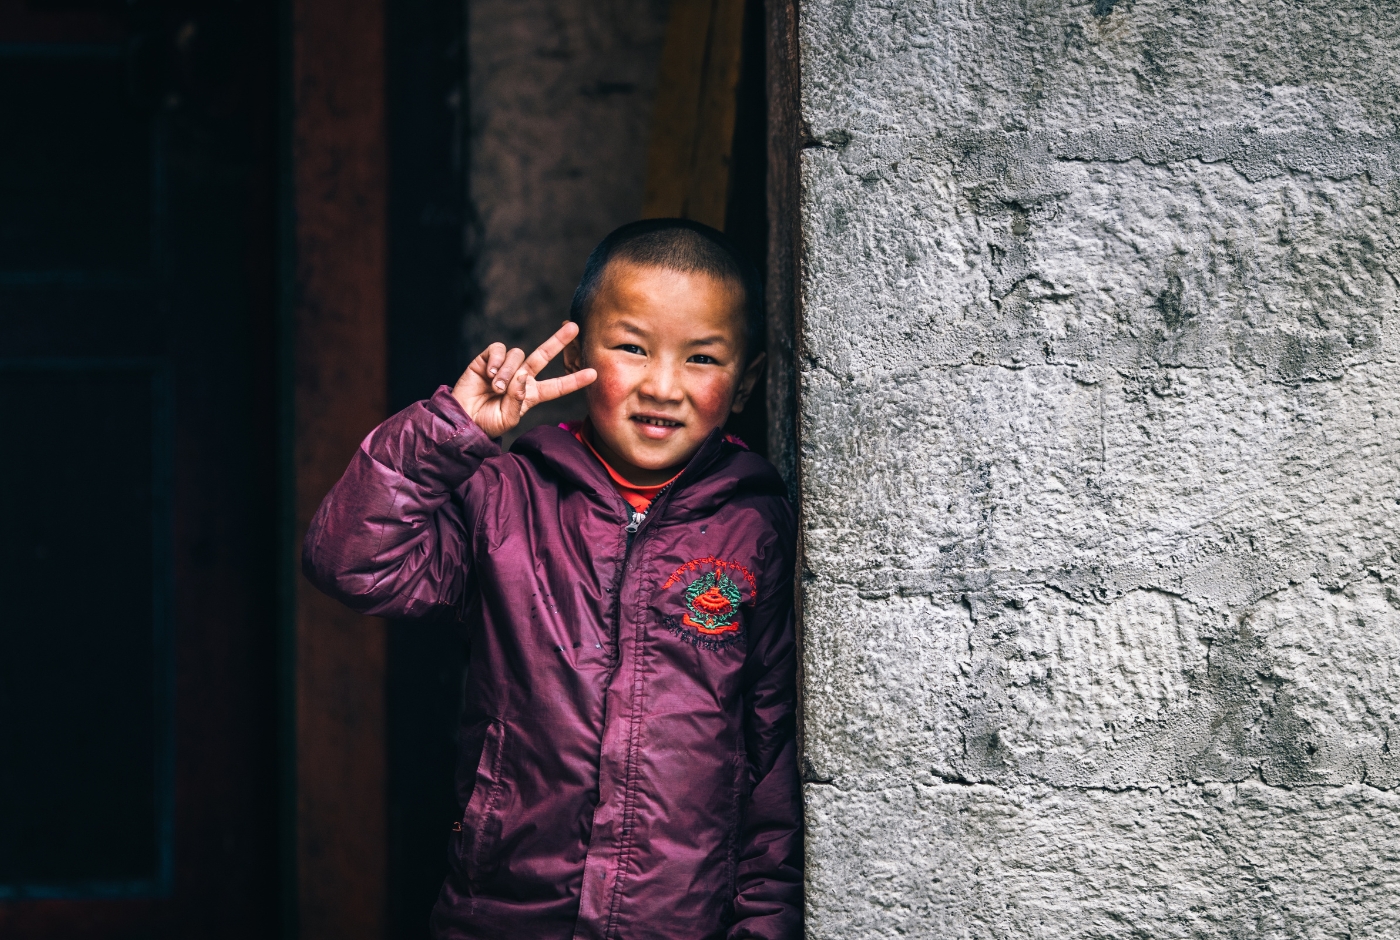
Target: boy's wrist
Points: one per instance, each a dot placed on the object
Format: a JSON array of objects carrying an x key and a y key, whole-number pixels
[
  {"x": 455, "y": 430},
  {"x": 449, "y": 407},
  {"x": 447, "y": 397}
]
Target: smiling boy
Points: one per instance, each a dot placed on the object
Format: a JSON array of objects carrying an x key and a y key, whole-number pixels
[{"x": 627, "y": 754}]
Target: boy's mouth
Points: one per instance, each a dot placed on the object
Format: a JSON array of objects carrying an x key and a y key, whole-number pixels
[
  {"x": 655, "y": 421},
  {"x": 656, "y": 428}
]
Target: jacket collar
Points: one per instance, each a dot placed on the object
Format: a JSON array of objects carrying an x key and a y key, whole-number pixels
[{"x": 716, "y": 470}]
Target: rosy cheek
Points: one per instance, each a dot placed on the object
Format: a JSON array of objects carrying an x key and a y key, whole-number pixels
[
  {"x": 610, "y": 390},
  {"x": 710, "y": 399}
]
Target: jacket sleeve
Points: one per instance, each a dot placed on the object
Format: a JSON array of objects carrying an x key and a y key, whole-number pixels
[
  {"x": 390, "y": 539},
  {"x": 768, "y": 900}
]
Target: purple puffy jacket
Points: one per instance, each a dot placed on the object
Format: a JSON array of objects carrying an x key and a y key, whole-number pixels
[{"x": 628, "y": 762}]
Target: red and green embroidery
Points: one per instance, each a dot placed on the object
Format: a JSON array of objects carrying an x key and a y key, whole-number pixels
[
  {"x": 712, "y": 600},
  {"x": 719, "y": 564}
]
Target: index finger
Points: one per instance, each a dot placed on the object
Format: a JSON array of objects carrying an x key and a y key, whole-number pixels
[
  {"x": 551, "y": 389},
  {"x": 551, "y": 347}
]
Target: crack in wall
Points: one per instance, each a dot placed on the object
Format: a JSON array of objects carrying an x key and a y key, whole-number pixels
[
  {"x": 1155, "y": 789},
  {"x": 1253, "y": 155}
]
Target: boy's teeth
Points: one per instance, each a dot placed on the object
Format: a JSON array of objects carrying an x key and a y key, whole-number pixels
[{"x": 660, "y": 422}]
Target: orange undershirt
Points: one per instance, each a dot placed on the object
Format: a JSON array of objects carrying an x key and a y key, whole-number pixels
[{"x": 638, "y": 497}]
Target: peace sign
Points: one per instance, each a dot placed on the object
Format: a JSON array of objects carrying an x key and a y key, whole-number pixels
[{"x": 499, "y": 386}]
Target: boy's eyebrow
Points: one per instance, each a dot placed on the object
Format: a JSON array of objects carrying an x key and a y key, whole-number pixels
[{"x": 716, "y": 339}]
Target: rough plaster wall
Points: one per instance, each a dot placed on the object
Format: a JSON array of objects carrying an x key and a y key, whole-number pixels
[
  {"x": 1100, "y": 416},
  {"x": 561, "y": 94}
]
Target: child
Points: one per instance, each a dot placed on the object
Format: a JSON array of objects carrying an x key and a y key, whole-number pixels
[{"x": 627, "y": 757}]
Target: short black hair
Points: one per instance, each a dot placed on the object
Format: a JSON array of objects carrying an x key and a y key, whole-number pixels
[{"x": 675, "y": 245}]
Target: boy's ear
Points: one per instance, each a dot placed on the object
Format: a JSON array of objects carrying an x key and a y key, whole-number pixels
[
  {"x": 747, "y": 381},
  {"x": 573, "y": 355}
]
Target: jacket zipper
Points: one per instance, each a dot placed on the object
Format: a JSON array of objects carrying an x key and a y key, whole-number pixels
[{"x": 635, "y": 521}]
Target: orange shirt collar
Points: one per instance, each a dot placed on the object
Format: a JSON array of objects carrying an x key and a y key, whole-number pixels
[{"x": 638, "y": 497}]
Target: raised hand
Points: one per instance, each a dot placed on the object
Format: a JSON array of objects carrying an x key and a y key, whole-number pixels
[{"x": 499, "y": 386}]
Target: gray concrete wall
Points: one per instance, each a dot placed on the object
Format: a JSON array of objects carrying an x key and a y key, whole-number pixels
[
  {"x": 1100, "y": 409},
  {"x": 561, "y": 95}
]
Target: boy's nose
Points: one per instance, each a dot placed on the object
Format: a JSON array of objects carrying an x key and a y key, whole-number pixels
[{"x": 660, "y": 383}]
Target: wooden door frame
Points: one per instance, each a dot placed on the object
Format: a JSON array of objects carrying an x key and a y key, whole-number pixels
[
  {"x": 335, "y": 811},
  {"x": 783, "y": 300}
]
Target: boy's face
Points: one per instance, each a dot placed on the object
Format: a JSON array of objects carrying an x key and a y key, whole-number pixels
[{"x": 669, "y": 350}]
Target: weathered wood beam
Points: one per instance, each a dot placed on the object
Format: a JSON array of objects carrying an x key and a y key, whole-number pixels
[
  {"x": 339, "y": 177},
  {"x": 696, "y": 102}
]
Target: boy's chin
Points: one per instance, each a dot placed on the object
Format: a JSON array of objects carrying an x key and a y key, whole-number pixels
[{"x": 656, "y": 456}]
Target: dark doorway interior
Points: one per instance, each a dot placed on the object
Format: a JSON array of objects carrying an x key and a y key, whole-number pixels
[
  {"x": 746, "y": 217},
  {"x": 426, "y": 304},
  {"x": 138, "y": 414}
]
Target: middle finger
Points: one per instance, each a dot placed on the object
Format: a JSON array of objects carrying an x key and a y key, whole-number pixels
[{"x": 512, "y": 362}]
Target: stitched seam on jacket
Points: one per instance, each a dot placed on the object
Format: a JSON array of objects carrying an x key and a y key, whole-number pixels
[
  {"x": 631, "y": 771},
  {"x": 613, "y": 662},
  {"x": 738, "y": 818}
]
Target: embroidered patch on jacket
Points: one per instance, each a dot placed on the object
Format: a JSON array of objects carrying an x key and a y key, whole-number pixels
[{"x": 712, "y": 600}]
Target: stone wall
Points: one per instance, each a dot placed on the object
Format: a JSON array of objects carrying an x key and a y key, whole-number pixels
[
  {"x": 561, "y": 95},
  {"x": 1100, "y": 410}
]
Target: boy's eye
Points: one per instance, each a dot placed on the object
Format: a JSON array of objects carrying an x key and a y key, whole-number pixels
[
  {"x": 632, "y": 348},
  {"x": 704, "y": 360}
]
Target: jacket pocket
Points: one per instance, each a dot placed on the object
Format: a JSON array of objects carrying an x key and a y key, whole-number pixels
[{"x": 481, "y": 823}]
